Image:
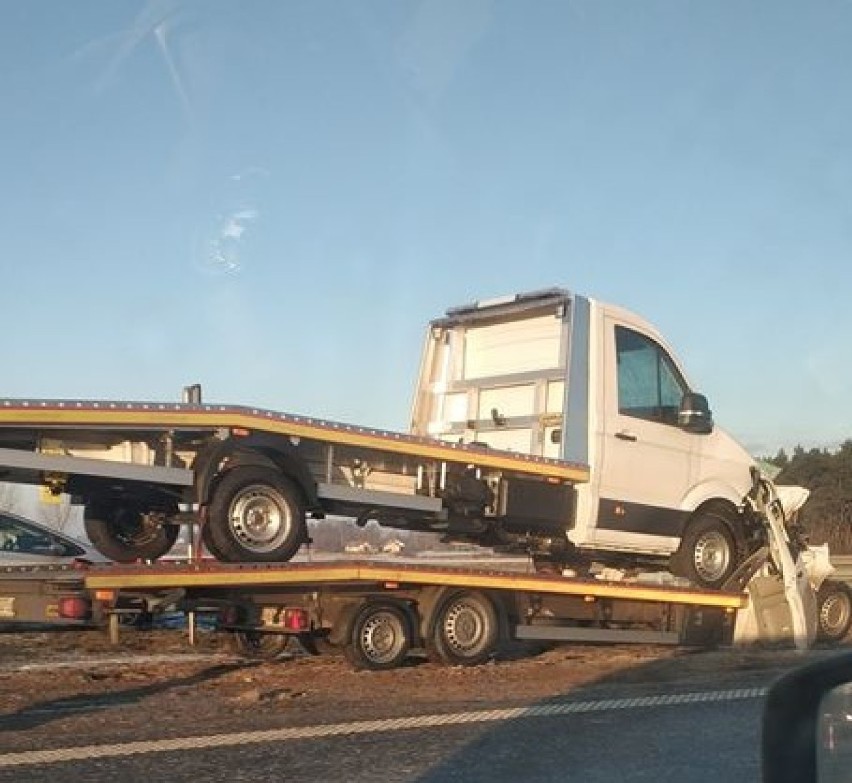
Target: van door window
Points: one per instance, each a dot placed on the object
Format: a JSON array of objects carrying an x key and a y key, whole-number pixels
[{"x": 649, "y": 385}]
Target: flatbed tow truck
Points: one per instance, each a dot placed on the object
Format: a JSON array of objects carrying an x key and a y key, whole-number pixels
[
  {"x": 547, "y": 423},
  {"x": 376, "y": 612}
]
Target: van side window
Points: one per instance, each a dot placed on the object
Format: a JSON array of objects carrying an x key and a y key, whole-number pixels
[{"x": 649, "y": 385}]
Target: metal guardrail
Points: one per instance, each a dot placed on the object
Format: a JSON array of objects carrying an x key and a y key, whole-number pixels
[{"x": 843, "y": 568}]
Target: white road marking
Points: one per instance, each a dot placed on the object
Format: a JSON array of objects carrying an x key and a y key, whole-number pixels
[{"x": 89, "y": 752}]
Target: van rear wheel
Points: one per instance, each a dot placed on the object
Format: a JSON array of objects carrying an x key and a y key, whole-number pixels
[
  {"x": 123, "y": 532},
  {"x": 256, "y": 514}
]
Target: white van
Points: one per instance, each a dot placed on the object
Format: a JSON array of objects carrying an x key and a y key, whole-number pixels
[{"x": 560, "y": 375}]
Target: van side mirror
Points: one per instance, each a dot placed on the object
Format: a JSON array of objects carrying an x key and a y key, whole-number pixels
[{"x": 694, "y": 414}]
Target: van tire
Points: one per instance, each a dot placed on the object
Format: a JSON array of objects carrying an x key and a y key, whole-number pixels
[
  {"x": 120, "y": 531},
  {"x": 256, "y": 514},
  {"x": 708, "y": 553},
  {"x": 210, "y": 544}
]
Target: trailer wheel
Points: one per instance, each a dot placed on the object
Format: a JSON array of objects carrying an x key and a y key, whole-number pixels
[
  {"x": 707, "y": 555},
  {"x": 259, "y": 646},
  {"x": 256, "y": 514},
  {"x": 380, "y": 637},
  {"x": 465, "y": 630},
  {"x": 124, "y": 533},
  {"x": 834, "y": 611}
]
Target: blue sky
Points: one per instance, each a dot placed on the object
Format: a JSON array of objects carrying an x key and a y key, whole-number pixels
[{"x": 273, "y": 198}]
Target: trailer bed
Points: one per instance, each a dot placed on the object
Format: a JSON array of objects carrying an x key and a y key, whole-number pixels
[
  {"x": 219, "y": 575},
  {"x": 122, "y": 415}
]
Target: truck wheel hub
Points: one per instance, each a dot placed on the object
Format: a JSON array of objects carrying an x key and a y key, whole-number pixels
[
  {"x": 463, "y": 627},
  {"x": 380, "y": 639}
]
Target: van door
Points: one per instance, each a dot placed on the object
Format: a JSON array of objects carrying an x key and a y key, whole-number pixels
[{"x": 647, "y": 461}]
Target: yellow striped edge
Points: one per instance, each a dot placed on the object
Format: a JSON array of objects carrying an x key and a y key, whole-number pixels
[
  {"x": 337, "y": 433},
  {"x": 349, "y": 573}
]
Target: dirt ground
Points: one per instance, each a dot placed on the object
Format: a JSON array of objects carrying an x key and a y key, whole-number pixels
[{"x": 57, "y": 688}]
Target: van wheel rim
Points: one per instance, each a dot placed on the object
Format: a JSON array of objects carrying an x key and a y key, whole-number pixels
[
  {"x": 260, "y": 518},
  {"x": 711, "y": 556}
]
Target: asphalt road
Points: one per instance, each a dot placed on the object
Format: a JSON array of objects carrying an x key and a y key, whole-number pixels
[{"x": 703, "y": 736}]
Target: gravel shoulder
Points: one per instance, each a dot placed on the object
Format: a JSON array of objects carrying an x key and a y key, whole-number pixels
[{"x": 73, "y": 688}]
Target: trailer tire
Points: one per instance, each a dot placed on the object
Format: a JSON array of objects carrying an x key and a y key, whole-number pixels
[
  {"x": 465, "y": 630},
  {"x": 834, "y": 611},
  {"x": 123, "y": 533},
  {"x": 708, "y": 552},
  {"x": 259, "y": 646},
  {"x": 255, "y": 514},
  {"x": 379, "y": 638}
]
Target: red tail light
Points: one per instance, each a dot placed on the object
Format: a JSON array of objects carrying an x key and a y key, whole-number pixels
[
  {"x": 296, "y": 620},
  {"x": 74, "y": 608}
]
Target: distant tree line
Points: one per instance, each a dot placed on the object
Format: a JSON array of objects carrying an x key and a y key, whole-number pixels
[{"x": 827, "y": 516}]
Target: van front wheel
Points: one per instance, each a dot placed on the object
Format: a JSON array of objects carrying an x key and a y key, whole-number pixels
[{"x": 707, "y": 554}]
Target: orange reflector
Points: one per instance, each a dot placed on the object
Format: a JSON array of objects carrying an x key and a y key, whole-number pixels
[
  {"x": 104, "y": 595},
  {"x": 239, "y": 432},
  {"x": 391, "y": 585}
]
